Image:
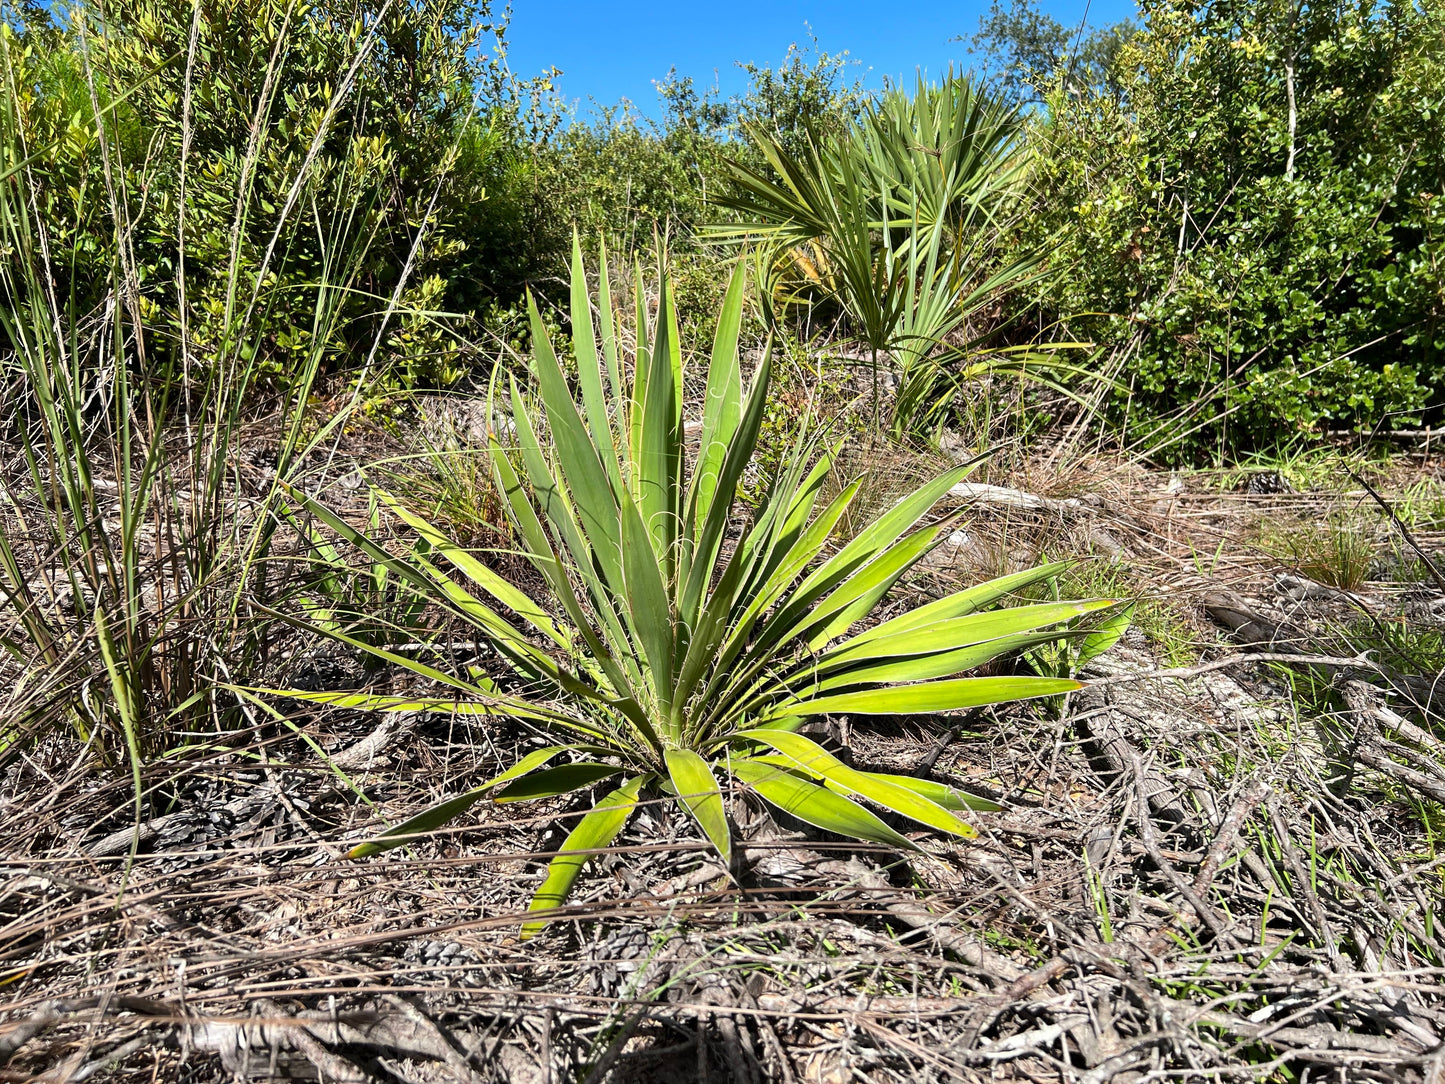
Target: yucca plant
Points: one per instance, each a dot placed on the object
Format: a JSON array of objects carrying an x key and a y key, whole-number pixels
[{"x": 675, "y": 655}]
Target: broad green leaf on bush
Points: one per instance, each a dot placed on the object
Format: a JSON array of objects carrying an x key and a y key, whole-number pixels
[
  {"x": 693, "y": 780},
  {"x": 554, "y": 781},
  {"x": 942, "y": 794},
  {"x": 812, "y": 758},
  {"x": 934, "y": 696}
]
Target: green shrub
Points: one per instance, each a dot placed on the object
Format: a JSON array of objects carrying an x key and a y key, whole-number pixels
[
  {"x": 902, "y": 219},
  {"x": 271, "y": 142},
  {"x": 1256, "y": 221},
  {"x": 134, "y": 565},
  {"x": 627, "y": 177}
]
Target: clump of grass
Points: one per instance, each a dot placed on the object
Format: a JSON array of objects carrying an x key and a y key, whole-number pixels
[
  {"x": 135, "y": 549},
  {"x": 1399, "y": 643},
  {"x": 1337, "y": 550},
  {"x": 1302, "y": 468},
  {"x": 449, "y": 483},
  {"x": 1422, "y": 505}
]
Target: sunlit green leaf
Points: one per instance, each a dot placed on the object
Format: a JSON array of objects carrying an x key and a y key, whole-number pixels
[
  {"x": 444, "y": 812},
  {"x": 931, "y": 696},
  {"x": 812, "y": 758},
  {"x": 942, "y": 794},
  {"x": 1105, "y": 635},
  {"x": 698, "y": 789},
  {"x": 594, "y": 832},
  {"x": 554, "y": 781},
  {"x": 816, "y": 805}
]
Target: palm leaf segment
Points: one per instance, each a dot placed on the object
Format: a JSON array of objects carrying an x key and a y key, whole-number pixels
[{"x": 673, "y": 653}]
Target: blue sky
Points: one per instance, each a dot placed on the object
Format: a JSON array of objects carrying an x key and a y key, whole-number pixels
[{"x": 613, "y": 50}]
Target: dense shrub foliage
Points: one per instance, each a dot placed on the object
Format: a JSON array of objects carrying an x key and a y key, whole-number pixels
[
  {"x": 1254, "y": 220},
  {"x": 1242, "y": 201},
  {"x": 627, "y": 176},
  {"x": 340, "y": 129},
  {"x": 1023, "y": 50}
]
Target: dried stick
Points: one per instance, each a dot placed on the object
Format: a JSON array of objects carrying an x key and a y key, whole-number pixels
[
  {"x": 1323, "y": 928},
  {"x": 1151, "y": 844},
  {"x": 1184, "y": 672},
  {"x": 1249, "y": 797}
]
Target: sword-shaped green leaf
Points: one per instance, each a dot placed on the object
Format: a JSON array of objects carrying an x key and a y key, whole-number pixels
[
  {"x": 698, "y": 789},
  {"x": 647, "y": 603},
  {"x": 659, "y": 451},
  {"x": 959, "y": 603},
  {"x": 855, "y": 597},
  {"x": 787, "y": 565},
  {"x": 816, "y": 805},
  {"x": 812, "y": 758},
  {"x": 862, "y": 548},
  {"x": 641, "y": 373},
  {"x": 931, "y": 696},
  {"x": 589, "y": 367},
  {"x": 594, "y": 832},
  {"x": 737, "y": 634},
  {"x": 942, "y": 794},
  {"x": 483, "y": 706},
  {"x": 722, "y": 402},
  {"x": 563, "y": 779},
  {"x": 577, "y": 456},
  {"x": 1105, "y": 635},
  {"x": 735, "y": 460},
  {"x": 539, "y": 551},
  {"x": 795, "y": 502},
  {"x": 667, "y": 317},
  {"x": 444, "y": 812},
  {"x": 598, "y": 562},
  {"x": 609, "y": 334},
  {"x": 955, "y": 632},
  {"x": 513, "y": 598},
  {"x": 940, "y": 664}
]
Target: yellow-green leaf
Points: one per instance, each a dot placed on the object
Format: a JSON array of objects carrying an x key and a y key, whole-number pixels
[
  {"x": 594, "y": 832},
  {"x": 698, "y": 789}
]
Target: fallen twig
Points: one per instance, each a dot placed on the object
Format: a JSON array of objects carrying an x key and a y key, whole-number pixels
[
  {"x": 1186, "y": 672},
  {"x": 1249, "y": 797},
  {"x": 1202, "y": 910}
]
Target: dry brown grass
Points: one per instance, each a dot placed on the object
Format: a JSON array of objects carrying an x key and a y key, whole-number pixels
[{"x": 1241, "y": 902}]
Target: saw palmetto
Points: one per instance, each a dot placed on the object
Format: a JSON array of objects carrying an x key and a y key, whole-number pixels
[
  {"x": 686, "y": 639},
  {"x": 903, "y": 219}
]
